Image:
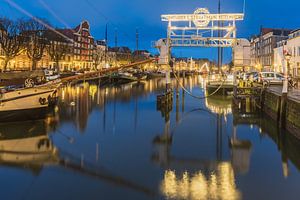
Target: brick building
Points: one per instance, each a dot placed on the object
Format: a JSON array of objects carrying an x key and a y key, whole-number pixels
[
  {"x": 262, "y": 53},
  {"x": 83, "y": 45}
]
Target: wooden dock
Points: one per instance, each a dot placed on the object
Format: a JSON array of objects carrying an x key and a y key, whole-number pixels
[
  {"x": 284, "y": 109},
  {"x": 248, "y": 98}
]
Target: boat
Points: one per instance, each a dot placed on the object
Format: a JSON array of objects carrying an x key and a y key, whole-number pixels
[
  {"x": 25, "y": 94},
  {"x": 156, "y": 74},
  {"x": 123, "y": 77},
  {"x": 140, "y": 76},
  {"x": 220, "y": 84}
]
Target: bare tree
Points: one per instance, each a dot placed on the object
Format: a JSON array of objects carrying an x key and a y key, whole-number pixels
[
  {"x": 11, "y": 40},
  {"x": 36, "y": 41},
  {"x": 98, "y": 57},
  {"x": 57, "y": 48}
]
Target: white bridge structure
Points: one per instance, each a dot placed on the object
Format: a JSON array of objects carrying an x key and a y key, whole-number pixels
[{"x": 203, "y": 29}]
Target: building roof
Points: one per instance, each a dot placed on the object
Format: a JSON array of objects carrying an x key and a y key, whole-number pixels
[
  {"x": 276, "y": 31},
  {"x": 70, "y": 32},
  {"x": 139, "y": 52},
  {"x": 53, "y": 36},
  {"x": 120, "y": 49},
  {"x": 67, "y": 32}
]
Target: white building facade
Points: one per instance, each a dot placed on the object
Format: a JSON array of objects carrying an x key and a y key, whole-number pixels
[
  {"x": 279, "y": 56},
  {"x": 291, "y": 46},
  {"x": 241, "y": 54}
]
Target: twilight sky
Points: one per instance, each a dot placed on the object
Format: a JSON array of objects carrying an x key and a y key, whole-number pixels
[{"x": 127, "y": 15}]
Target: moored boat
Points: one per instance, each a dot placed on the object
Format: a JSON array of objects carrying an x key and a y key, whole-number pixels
[
  {"x": 156, "y": 74},
  {"x": 28, "y": 98},
  {"x": 25, "y": 97},
  {"x": 123, "y": 77},
  {"x": 140, "y": 76}
]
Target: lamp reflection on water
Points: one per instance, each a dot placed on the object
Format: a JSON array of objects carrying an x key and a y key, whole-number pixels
[{"x": 219, "y": 184}]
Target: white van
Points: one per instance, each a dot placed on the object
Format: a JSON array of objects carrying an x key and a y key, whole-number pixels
[{"x": 270, "y": 78}]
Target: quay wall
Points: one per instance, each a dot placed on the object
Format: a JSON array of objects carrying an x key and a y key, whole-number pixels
[
  {"x": 293, "y": 117},
  {"x": 271, "y": 105},
  {"x": 287, "y": 115}
]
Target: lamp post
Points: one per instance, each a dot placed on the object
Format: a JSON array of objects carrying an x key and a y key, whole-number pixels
[
  {"x": 286, "y": 64},
  {"x": 282, "y": 120}
]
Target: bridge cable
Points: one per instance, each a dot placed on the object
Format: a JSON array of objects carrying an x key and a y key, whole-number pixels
[{"x": 190, "y": 93}]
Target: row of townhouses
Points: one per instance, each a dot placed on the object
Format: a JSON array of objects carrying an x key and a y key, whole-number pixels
[
  {"x": 81, "y": 52},
  {"x": 268, "y": 50}
]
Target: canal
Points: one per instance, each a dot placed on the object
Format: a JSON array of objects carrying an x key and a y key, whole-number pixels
[{"x": 101, "y": 142}]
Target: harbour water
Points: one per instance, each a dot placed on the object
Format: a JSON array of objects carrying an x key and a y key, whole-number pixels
[{"x": 99, "y": 143}]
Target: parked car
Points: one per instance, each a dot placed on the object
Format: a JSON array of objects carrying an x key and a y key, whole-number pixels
[{"x": 269, "y": 78}]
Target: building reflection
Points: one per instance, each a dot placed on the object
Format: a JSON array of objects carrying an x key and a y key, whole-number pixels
[
  {"x": 287, "y": 144},
  {"x": 240, "y": 153},
  {"x": 217, "y": 184},
  {"x": 78, "y": 101}
]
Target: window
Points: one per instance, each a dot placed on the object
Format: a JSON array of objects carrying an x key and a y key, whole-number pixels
[{"x": 268, "y": 75}]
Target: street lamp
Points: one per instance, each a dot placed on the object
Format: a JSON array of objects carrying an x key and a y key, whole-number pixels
[{"x": 287, "y": 57}]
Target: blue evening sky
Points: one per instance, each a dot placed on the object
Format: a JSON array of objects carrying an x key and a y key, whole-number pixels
[{"x": 127, "y": 15}]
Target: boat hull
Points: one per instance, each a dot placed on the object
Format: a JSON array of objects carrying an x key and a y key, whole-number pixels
[{"x": 27, "y": 101}]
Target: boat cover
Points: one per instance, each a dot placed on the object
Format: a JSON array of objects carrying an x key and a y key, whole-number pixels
[{"x": 21, "y": 75}]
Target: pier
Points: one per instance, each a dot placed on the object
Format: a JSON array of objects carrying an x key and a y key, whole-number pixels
[{"x": 271, "y": 102}]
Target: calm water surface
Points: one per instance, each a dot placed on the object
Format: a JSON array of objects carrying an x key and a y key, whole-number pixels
[{"x": 100, "y": 143}]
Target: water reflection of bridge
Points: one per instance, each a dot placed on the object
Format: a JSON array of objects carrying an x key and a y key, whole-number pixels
[
  {"x": 197, "y": 178},
  {"x": 192, "y": 178}
]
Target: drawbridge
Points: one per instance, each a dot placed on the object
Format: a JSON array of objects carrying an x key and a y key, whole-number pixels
[{"x": 203, "y": 29}]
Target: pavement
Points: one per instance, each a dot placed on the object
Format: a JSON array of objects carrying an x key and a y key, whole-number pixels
[{"x": 293, "y": 94}]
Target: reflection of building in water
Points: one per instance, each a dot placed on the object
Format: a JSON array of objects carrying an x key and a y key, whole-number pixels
[
  {"x": 78, "y": 101},
  {"x": 287, "y": 144},
  {"x": 218, "y": 184},
  {"x": 240, "y": 153},
  {"x": 76, "y": 104}
]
